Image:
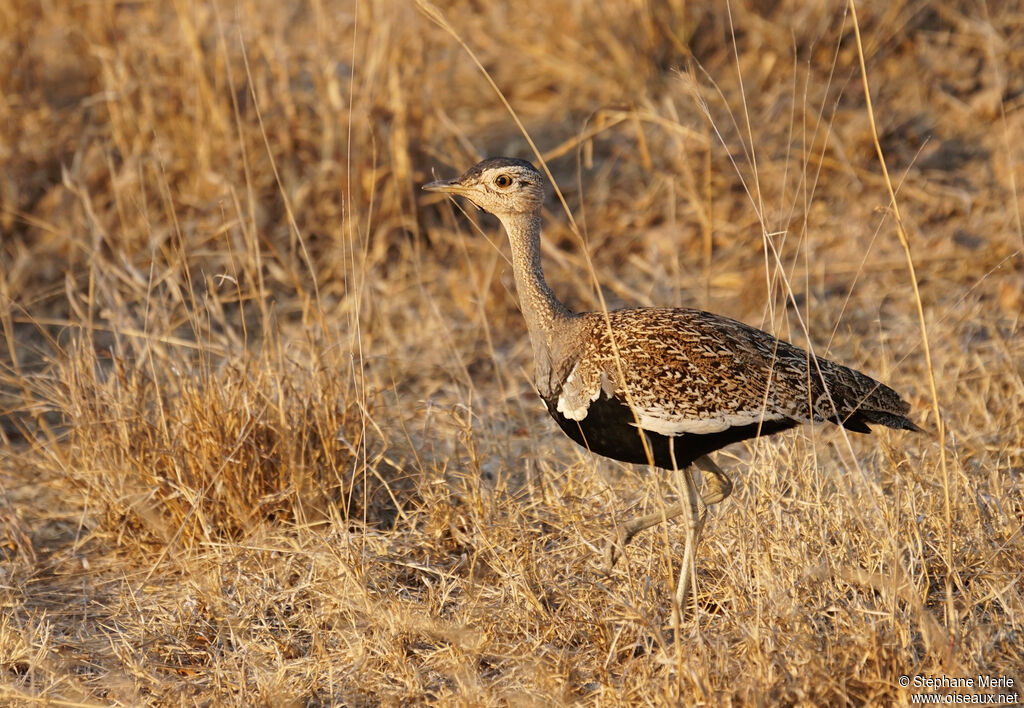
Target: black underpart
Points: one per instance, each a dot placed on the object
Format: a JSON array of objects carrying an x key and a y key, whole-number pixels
[
  {"x": 859, "y": 419},
  {"x": 609, "y": 429}
]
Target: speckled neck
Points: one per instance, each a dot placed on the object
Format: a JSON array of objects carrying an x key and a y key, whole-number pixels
[{"x": 543, "y": 312}]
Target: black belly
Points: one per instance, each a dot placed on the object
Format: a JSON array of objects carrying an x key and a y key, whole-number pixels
[{"x": 610, "y": 430}]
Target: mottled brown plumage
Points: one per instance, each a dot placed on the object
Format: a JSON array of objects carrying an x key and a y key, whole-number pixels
[
  {"x": 663, "y": 385},
  {"x": 688, "y": 371}
]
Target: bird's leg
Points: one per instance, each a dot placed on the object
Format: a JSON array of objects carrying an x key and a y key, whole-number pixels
[
  {"x": 625, "y": 532},
  {"x": 694, "y": 525},
  {"x": 719, "y": 487}
]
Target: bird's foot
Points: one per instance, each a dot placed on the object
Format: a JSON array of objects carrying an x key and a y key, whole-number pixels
[
  {"x": 617, "y": 545},
  {"x": 612, "y": 551}
]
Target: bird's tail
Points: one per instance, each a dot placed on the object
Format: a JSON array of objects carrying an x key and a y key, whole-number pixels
[
  {"x": 859, "y": 419},
  {"x": 860, "y": 401}
]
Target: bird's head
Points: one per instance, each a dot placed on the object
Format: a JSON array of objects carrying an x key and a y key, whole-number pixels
[{"x": 503, "y": 186}]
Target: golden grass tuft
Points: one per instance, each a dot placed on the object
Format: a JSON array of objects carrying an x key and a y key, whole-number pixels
[
  {"x": 211, "y": 458},
  {"x": 267, "y": 435}
]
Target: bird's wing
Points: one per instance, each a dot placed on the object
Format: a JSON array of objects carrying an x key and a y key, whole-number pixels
[{"x": 687, "y": 371}]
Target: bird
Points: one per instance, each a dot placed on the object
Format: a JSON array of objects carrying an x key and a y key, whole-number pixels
[{"x": 662, "y": 386}]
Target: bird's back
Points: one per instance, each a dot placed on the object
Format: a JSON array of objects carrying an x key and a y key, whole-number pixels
[{"x": 684, "y": 372}]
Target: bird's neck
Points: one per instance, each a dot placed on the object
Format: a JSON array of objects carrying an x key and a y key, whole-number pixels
[{"x": 541, "y": 309}]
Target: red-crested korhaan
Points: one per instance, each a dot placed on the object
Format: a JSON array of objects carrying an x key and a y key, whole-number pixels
[{"x": 659, "y": 385}]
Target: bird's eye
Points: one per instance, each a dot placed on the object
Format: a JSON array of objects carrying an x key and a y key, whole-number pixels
[{"x": 503, "y": 181}]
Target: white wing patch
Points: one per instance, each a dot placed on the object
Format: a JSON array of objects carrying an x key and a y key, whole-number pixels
[
  {"x": 658, "y": 420},
  {"x": 575, "y": 399}
]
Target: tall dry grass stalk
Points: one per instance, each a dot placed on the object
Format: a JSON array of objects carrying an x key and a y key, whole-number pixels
[{"x": 266, "y": 432}]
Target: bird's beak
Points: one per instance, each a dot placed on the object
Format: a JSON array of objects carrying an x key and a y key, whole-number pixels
[{"x": 449, "y": 186}]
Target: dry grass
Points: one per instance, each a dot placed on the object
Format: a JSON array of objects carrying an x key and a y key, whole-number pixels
[{"x": 267, "y": 431}]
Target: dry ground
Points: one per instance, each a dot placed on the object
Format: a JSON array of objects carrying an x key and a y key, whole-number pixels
[{"x": 267, "y": 431}]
